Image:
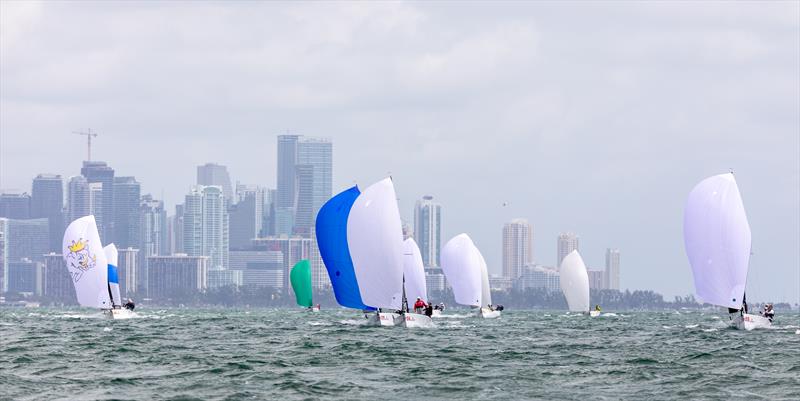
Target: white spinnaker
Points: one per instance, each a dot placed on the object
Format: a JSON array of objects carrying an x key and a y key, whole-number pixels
[
  {"x": 375, "y": 239},
  {"x": 716, "y": 235},
  {"x": 112, "y": 257},
  {"x": 86, "y": 263},
  {"x": 413, "y": 272},
  {"x": 461, "y": 266},
  {"x": 575, "y": 282},
  {"x": 486, "y": 290}
]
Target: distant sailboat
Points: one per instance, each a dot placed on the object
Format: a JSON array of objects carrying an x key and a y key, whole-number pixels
[
  {"x": 112, "y": 256},
  {"x": 465, "y": 269},
  {"x": 414, "y": 285},
  {"x": 375, "y": 239},
  {"x": 574, "y": 281},
  {"x": 717, "y": 239},
  {"x": 300, "y": 277},
  {"x": 89, "y": 268}
]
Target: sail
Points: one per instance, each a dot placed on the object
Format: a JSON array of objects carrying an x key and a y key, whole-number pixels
[
  {"x": 717, "y": 240},
  {"x": 575, "y": 282},
  {"x": 413, "y": 272},
  {"x": 86, "y": 263},
  {"x": 486, "y": 291},
  {"x": 112, "y": 257},
  {"x": 331, "y": 232},
  {"x": 301, "y": 282},
  {"x": 375, "y": 238},
  {"x": 461, "y": 266}
]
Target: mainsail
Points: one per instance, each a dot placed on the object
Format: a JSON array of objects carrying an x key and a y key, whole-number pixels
[
  {"x": 575, "y": 282},
  {"x": 716, "y": 235},
  {"x": 331, "y": 232},
  {"x": 413, "y": 272},
  {"x": 86, "y": 263},
  {"x": 112, "y": 257},
  {"x": 461, "y": 265},
  {"x": 375, "y": 239},
  {"x": 300, "y": 277}
]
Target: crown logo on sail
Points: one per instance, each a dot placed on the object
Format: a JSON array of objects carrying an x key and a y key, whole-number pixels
[
  {"x": 78, "y": 246},
  {"x": 79, "y": 258}
]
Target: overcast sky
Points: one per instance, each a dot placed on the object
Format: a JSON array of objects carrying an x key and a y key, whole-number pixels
[{"x": 587, "y": 117}]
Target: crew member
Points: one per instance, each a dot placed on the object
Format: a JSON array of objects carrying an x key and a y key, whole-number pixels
[
  {"x": 419, "y": 305},
  {"x": 129, "y": 304},
  {"x": 429, "y": 310}
]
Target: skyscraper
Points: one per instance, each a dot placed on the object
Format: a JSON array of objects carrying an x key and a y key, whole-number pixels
[
  {"x": 612, "y": 269},
  {"x": 56, "y": 282},
  {"x": 309, "y": 162},
  {"x": 205, "y": 225},
  {"x": 3, "y": 254},
  {"x": 517, "y": 247},
  {"x": 127, "y": 197},
  {"x": 215, "y": 174},
  {"x": 15, "y": 206},
  {"x": 176, "y": 275},
  {"x": 287, "y": 159},
  {"x": 100, "y": 172},
  {"x": 78, "y": 204},
  {"x": 567, "y": 242},
  {"x": 47, "y": 201},
  {"x": 317, "y": 153},
  {"x": 27, "y": 239},
  {"x": 246, "y": 217},
  {"x": 153, "y": 227},
  {"x": 428, "y": 229},
  {"x": 304, "y": 209}
]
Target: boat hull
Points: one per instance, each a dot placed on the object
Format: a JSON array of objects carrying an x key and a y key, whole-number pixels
[
  {"x": 437, "y": 313},
  {"x": 417, "y": 320},
  {"x": 118, "y": 314},
  {"x": 487, "y": 313},
  {"x": 314, "y": 309},
  {"x": 747, "y": 321},
  {"x": 594, "y": 313}
]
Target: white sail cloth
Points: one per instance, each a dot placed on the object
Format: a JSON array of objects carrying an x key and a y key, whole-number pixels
[
  {"x": 575, "y": 282},
  {"x": 413, "y": 272},
  {"x": 112, "y": 257},
  {"x": 486, "y": 291},
  {"x": 375, "y": 239},
  {"x": 86, "y": 263},
  {"x": 717, "y": 238},
  {"x": 461, "y": 265}
]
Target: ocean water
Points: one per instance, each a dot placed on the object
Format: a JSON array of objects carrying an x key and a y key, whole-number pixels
[{"x": 186, "y": 354}]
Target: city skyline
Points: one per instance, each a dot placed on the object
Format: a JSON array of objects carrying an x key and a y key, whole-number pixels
[{"x": 494, "y": 121}]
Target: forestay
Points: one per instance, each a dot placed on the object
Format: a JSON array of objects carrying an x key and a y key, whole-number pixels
[
  {"x": 113, "y": 277},
  {"x": 86, "y": 263},
  {"x": 716, "y": 235},
  {"x": 331, "y": 232},
  {"x": 375, "y": 238},
  {"x": 413, "y": 272},
  {"x": 575, "y": 282},
  {"x": 461, "y": 266}
]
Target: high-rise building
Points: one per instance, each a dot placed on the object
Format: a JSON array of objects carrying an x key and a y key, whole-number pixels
[
  {"x": 47, "y": 201},
  {"x": 306, "y": 161},
  {"x": 293, "y": 250},
  {"x": 153, "y": 239},
  {"x": 221, "y": 278},
  {"x": 15, "y": 206},
  {"x": 24, "y": 276},
  {"x": 434, "y": 280},
  {"x": 596, "y": 279},
  {"x": 100, "y": 172},
  {"x": 211, "y": 174},
  {"x": 205, "y": 225},
  {"x": 428, "y": 229},
  {"x": 246, "y": 218},
  {"x": 612, "y": 269},
  {"x": 517, "y": 247},
  {"x": 26, "y": 239},
  {"x": 176, "y": 227},
  {"x": 127, "y": 224},
  {"x": 259, "y": 268},
  {"x": 535, "y": 276},
  {"x": 57, "y": 284},
  {"x": 3, "y": 253},
  {"x": 132, "y": 279},
  {"x": 319, "y": 274},
  {"x": 268, "y": 227},
  {"x": 176, "y": 275},
  {"x": 78, "y": 199},
  {"x": 567, "y": 242}
]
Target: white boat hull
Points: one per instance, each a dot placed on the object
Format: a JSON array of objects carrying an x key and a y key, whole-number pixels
[
  {"x": 487, "y": 313},
  {"x": 417, "y": 320},
  {"x": 118, "y": 313},
  {"x": 594, "y": 313},
  {"x": 437, "y": 313},
  {"x": 747, "y": 321},
  {"x": 314, "y": 309},
  {"x": 389, "y": 319}
]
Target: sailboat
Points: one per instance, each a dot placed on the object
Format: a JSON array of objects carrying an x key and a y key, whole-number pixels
[
  {"x": 90, "y": 269},
  {"x": 465, "y": 269},
  {"x": 112, "y": 257},
  {"x": 414, "y": 285},
  {"x": 300, "y": 277},
  {"x": 331, "y": 232},
  {"x": 574, "y": 281},
  {"x": 717, "y": 238},
  {"x": 375, "y": 239}
]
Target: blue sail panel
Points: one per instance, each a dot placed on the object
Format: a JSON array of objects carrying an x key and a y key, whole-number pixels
[
  {"x": 331, "y": 230},
  {"x": 112, "y": 274}
]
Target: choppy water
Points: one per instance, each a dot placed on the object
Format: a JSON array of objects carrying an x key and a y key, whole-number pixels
[{"x": 292, "y": 355}]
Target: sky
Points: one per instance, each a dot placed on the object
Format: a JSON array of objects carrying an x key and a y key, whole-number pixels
[{"x": 596, "y": 118}]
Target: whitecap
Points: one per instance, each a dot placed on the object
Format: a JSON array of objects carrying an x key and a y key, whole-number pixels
[
  {"x": 107, "y": 329},
  {"x": 709, "y": 330},
  {"x": 691, "y": 326}
]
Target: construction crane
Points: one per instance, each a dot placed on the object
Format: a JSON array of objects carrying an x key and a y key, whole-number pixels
[{"x": 89, "y": 134}]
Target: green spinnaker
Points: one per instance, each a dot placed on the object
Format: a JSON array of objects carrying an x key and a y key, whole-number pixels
[{"x": 301, "y": 282}]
